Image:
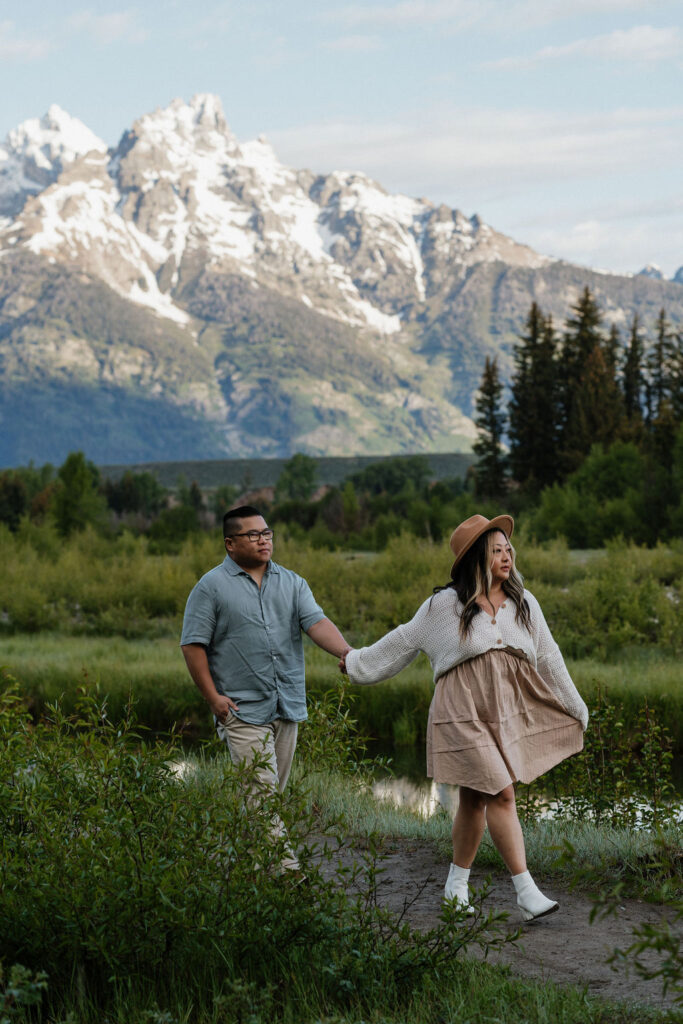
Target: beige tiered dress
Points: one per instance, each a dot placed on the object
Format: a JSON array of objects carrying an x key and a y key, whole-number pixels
[{"x": 493, "y": 720}]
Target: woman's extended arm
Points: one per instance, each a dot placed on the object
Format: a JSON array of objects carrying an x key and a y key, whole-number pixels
[
  {"x": 388, "y": 656},
  {"x": 551, "y": 667}
]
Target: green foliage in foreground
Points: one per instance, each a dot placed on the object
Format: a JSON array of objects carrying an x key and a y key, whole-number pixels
[
  {"x": 132, "y": 883},
  {"x": 125, "y": 879}
]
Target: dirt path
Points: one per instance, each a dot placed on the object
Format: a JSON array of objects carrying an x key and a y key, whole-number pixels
[{"x": 563, "y": 947}]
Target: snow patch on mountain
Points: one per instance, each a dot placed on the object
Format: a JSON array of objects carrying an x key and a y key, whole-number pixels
[
  {"x": 33, "y": 155},
  {"x": 652, "y": 271},
  {"x": 179, "y": 189}
]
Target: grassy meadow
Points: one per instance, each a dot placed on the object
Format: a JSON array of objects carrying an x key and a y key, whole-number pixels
[
  {"x": 104, "y": 858},
  {"x": 101, "y": 610}
]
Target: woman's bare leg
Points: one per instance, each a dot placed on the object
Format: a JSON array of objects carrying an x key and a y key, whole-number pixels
[
  {"x": 499, "y": 811},
  {"x": 469, "y": 825},
  {"x": 505, "y": 829}
]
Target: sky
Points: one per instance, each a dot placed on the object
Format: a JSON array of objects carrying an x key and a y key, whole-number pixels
[{"x": 559, "y": 122}]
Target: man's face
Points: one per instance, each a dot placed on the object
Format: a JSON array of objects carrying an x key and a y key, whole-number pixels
[{"x": 247, "y": 553}]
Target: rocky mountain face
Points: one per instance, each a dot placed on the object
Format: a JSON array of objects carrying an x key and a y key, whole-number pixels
[{"x": 185, "y": 295}]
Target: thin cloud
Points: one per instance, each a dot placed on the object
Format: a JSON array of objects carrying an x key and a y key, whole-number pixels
[
  {"x": 354, "y": 44},
  {"x": 408, "y": 13},
  {"x": 492, "y": 13},
  {"x": 641, "y": 43},
  {"x": 113, "y": 27},
  {"x": 492, "y": 151},
  {"x": 18, "y": 48},
  {"x": 593, "y": 240}
]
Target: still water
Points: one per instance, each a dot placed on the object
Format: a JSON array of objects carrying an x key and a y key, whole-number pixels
[{"x": 409, "y": 786}]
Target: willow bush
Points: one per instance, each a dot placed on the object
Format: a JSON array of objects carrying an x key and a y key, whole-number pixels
[
  {"x": 128, "y": 880},
  {"x": 89, "y": 584}
]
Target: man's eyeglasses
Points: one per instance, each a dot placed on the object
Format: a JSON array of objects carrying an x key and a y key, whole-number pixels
[{"x": 255, "y": 535}]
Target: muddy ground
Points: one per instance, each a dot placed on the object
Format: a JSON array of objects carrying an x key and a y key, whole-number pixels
[{"x": 563, "y": 947}]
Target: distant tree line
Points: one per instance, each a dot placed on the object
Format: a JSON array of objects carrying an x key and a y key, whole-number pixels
[
  {"x": 588, "y": 445},
  {"x": 367, "y": 509},
  {"x": 593, "y": 426}
]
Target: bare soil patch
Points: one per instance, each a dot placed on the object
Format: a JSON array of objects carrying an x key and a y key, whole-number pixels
[{"x": 564, "y": 948}]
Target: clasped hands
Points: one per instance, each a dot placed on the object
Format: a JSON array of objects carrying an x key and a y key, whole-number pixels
[{"x": 342, "y": 660}]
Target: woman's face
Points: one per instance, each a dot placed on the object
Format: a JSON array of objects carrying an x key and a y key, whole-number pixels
[{"x": 501, "y": 557}]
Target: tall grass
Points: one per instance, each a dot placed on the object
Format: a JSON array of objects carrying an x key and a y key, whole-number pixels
[{"x": 98, "y": 586}]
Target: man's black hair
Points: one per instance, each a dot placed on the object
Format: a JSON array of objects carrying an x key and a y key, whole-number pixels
[{"x": 231, "y": 519}]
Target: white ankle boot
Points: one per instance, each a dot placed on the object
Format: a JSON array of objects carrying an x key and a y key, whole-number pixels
[
  {"x": 530, "y": 899},
  {"x": 456, "y": 890}
]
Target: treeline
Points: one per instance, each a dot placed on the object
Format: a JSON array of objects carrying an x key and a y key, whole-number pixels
[
  {"x": 589, "y": 446},
  {"x": 594, "y": 426},
  {"x": 366, "y": 510}
]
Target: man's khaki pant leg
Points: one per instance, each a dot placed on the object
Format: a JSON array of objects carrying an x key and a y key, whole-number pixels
[{"x": 273, "y": 744}]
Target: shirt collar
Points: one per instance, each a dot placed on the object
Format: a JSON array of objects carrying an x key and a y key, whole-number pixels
[{"x": 234, "y": 569}]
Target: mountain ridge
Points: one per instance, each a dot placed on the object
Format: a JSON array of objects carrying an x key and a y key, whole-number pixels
[{"x": 267, "y": 309}]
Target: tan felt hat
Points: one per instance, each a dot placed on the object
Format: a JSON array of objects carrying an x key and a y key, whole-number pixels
[{"x": 464, "y": 536}]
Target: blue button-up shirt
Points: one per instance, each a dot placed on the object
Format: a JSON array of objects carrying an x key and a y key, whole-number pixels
[{"x": 253, "y": 638}]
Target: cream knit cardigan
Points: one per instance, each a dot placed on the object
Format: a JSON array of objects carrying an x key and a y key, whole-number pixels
[{"x": 435, "y": 630}]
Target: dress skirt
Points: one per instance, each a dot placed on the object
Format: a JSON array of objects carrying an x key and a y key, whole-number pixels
[{"x": 493, "y": 721}]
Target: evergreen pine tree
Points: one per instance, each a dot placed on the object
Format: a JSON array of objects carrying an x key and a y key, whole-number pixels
[
  {"x": 591, "y": 407},
  {"x": 677, "y": 377},
  {"x": 490, "y": 422},
  {"x": 612, "y": 347},
  {"x": 533, "y": 405},
  {"x": 545, "y": 389},
  {"x": 633, "y": 380},
  {"x": 660, "y": 367},
  {"x": 597, "y": 410}
]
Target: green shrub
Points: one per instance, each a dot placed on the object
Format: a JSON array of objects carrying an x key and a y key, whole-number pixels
[{"x": 125, "y": 878}]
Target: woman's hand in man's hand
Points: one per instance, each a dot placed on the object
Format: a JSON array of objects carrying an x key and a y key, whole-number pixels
[{"x": 342, "y": 660}]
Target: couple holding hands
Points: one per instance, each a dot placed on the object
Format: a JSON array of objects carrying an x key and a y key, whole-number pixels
[{"x": 504, "y": 708}]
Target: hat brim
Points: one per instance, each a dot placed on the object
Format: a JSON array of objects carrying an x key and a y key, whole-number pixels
[{"x": 504, "y": 523}]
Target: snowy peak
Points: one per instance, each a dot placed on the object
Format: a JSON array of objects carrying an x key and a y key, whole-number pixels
[
  {"x": 652, "y": 271},
  {"x": 54, "y": 140},
  {"x": 37, "y": 151},
  {"x": 182, "y": 128},
  {"x": 179, "y": 191}
]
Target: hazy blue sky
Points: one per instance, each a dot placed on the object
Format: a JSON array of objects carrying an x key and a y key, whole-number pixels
[{"x": 559, "y": 121}]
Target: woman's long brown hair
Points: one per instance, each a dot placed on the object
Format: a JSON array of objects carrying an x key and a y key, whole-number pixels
[{"x": 472, "y": 579}]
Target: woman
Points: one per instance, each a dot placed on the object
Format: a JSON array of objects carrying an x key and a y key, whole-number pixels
[{"x": 504, "y": 709}]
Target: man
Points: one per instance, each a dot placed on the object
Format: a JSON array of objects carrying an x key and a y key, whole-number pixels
[{"x": 242, "y": 645}]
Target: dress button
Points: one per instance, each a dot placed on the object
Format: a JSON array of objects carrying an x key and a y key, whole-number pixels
[
  {"x": 499, "y": 641},
  {"x": 493, "y": 622}
]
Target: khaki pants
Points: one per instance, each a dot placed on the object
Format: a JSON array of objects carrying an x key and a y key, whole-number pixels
[{"x": 274, "y": 744}]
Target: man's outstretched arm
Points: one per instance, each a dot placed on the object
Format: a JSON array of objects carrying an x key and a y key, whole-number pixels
[{"x": 325, "y": 634}]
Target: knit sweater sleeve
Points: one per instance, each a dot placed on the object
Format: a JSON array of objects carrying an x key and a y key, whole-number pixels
[
  {"x": 388, "y": 656},
  {"x": 551, "y": 667}
]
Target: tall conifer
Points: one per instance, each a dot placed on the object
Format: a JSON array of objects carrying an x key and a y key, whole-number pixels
[
  {"x": 591, "y": 408},
  {"x": 633, "y": 379},
  {"x": 660, "y": 367},
  {"x": 490, "y": 422},
  {"x": 533, "y": 405}
]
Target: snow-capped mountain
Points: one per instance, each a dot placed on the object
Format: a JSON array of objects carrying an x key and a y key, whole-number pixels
[
  {"x": 34, "y": 155},
  {"x": 179, "y": 185},
  {"x": 270, "y": 309}
]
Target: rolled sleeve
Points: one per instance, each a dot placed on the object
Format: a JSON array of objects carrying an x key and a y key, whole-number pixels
[
  {"x": 310, "y": 611},
  {"x": 199, "y": 620}
]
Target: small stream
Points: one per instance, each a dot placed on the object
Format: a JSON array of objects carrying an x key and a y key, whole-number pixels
[{"x": 409, "y": 786}]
